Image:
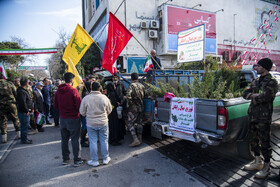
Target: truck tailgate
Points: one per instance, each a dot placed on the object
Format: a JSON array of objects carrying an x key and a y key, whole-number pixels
[
  {"x": 206, "y": 114},
  {"x": 163, "y": 110}
]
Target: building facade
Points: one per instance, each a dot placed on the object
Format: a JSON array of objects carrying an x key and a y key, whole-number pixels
[{"x": 237, "y": 31}]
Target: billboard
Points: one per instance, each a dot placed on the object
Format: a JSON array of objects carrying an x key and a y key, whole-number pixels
[
  {"x": 180, "y": 19},
  {"x": 191, "y": 44}
]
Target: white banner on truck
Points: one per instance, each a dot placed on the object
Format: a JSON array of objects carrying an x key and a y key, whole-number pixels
[{"x": 182, "y": 115}]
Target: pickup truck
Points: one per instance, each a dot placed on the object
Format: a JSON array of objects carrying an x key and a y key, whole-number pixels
[{"x": 216, "y": 121}]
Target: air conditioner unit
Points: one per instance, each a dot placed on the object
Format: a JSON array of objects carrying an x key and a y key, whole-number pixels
[
  {"x": 144, "y": 24},
  {"x": 154, "y": 24},
  {"x": 153, "y": 34}
]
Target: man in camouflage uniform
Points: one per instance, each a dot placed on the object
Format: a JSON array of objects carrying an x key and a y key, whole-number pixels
[
  {"x": 8, "y": 107},
  {"x": 135, "y": 95},
  {"x": 261, "y": 92}
]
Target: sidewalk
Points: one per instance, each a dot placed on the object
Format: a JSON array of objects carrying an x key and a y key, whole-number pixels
[{"x": 39, "y": 164}]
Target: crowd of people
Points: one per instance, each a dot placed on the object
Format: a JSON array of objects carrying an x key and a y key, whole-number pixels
[{"x": 100, "y": 112}]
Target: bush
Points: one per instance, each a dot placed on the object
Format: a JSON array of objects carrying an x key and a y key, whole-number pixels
[{"x": 11, "y": 75}]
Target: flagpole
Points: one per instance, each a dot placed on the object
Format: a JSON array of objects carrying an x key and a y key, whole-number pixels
[
  {"x": 146, "y": 51},
  {"x": 98, "y": 46}
]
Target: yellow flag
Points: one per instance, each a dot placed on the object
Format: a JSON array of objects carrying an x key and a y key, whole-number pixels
[
  {"x": 77, "y": 46},
  {"x": 71, "y": 68}
]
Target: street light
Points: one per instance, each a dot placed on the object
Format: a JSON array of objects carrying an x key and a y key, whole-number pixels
[
  {"x": 197, "y": 5},
  {"x": 234, "y": 33},
  {"x": 219, "y": 10},
  {"x": 166, "y": 2}
]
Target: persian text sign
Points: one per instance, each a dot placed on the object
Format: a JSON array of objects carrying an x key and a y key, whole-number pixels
[
  {"x": 191, "y": 44},
  {"x": 180, "y": 18},
  {"x": 33, "y": 67},
  {"x": 182, "y": 115},
  {"x": 191, "y": 35}
]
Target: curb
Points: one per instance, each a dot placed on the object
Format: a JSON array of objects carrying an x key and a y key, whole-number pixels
[{"x": 6, "y": 150}]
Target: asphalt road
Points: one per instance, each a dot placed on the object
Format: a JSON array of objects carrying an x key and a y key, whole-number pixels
[{"x": 39, "y": 164}]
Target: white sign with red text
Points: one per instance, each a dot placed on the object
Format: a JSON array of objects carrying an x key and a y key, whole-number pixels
[
  {"x": 182, "y": 115},
  {"x": 191, "y": 44}
]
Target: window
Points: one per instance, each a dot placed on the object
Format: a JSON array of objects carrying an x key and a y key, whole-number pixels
[{"x": 97, "y": 4}]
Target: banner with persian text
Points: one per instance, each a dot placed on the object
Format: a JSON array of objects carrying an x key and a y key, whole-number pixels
[
  {"x": 180, "y": 19},
  {"x": 191, "y": 44},
  {"x": 182, "y": 115}
]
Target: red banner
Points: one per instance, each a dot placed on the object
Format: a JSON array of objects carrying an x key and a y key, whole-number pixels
[
  {"x": 118, "y": 36},
  {"x": 180, "y": 19}
]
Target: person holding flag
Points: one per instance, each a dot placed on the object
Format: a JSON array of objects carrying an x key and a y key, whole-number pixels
[{"x": 151, "y": 63}]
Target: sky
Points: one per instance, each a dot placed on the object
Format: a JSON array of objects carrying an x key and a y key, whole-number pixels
[{"x": 38, "y": 21}]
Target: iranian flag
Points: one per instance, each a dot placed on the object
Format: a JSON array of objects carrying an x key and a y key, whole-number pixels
[
  {"x": 148, "y": 64},
  {"x": 3, "y": 70},
  {"x": 5, "y": 52}
]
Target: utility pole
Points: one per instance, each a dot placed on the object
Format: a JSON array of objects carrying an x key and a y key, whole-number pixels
[{"x": 234, "y": 34}]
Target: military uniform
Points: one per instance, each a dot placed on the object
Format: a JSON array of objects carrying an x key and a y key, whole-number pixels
[
  {"x": 8, "y": 106},
  {"x": 32, "y": 118},
  {"x": 260, "y": 114},
  {"x": 135, "y": 95}
]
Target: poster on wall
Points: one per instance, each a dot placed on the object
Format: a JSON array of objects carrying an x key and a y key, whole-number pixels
[
  {"x": 191, "y": 44},
  {"x": 179, "y": 19},
  {"x": 182, "y": 115},
  {"x": 136, "y": 64}
]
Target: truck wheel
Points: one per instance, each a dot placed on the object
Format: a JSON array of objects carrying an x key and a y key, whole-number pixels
[{"x": 244, "y": 150}]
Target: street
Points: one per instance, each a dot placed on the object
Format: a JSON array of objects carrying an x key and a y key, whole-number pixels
[
  {"x": 39, "y": 164},
  {"x": 167, "y": 162}
]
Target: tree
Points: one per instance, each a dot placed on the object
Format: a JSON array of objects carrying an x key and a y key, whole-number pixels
[
  {"x": 39, "y": 74},
  {"x": 12, "y": 74},
  {"x": 56, "y": 65},
  {"x": 91, "y": 59},
  {"x": 15, "y": 59}
]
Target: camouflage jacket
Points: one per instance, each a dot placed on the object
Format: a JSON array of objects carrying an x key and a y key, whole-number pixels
[
  {"x": 261, "y": 108},
  {"x": 7, "y": 92},
  {"x": 30, "y": 91},
  {"x": 135, "y": 95}
]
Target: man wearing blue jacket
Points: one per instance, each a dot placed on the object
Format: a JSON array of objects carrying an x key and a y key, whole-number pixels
[{"x": 47, "y": 99}]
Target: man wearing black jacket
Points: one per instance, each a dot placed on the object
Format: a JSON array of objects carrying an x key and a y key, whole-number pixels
[
  {"x": 39, "y": 103},
  {"x": 25, "y": 106}
]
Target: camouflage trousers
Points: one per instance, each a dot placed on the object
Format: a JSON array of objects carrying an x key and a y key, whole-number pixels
[
  {"x": 134, "y": 122},
  {"x": 259, "y": 137},
  {"x": 32, "y": 121},
  {"x": 7, "y": 111}
]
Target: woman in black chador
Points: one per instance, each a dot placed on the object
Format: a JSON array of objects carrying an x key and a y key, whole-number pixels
[{"x": 116, "y": 93}]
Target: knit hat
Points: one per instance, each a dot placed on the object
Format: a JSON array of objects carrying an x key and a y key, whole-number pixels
[{"x": 266, "y": 63}]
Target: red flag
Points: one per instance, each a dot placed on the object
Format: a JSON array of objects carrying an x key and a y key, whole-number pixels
[{"x": 118, "y": 36}]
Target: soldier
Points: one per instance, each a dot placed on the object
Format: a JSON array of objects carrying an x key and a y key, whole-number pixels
[
  {"x": 32, "y": 119},
  {"x": 135, "y": 95},
  {"x": 8, "y": 107},
  {"x": 261, "y": 92}
]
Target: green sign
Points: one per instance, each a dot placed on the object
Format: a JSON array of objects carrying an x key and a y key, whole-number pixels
[{"x": 33, "y": 68}]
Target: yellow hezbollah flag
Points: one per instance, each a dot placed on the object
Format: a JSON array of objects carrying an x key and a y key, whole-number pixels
[
  {"x": 77, "y": 46},
  {"x": 71, "y": 68}
]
